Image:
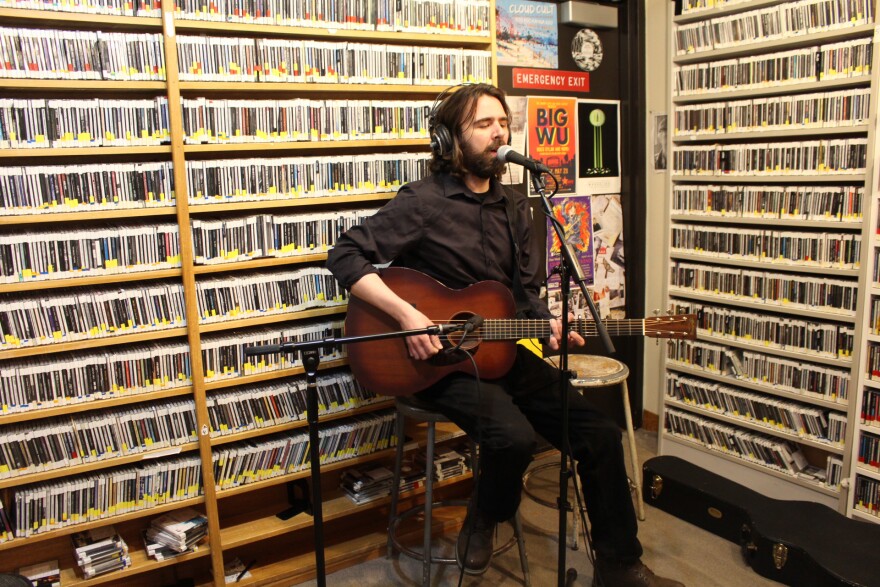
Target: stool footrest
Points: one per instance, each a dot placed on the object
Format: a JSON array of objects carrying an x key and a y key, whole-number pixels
[{"x": 418, "y": 555}]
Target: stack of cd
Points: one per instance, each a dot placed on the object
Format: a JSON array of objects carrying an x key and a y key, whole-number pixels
[
  {"x": 175, "y": 533},
  {"x": 100, "y": 550}
]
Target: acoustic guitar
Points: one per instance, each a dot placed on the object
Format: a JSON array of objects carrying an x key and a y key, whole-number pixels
[{"x": 383, "y": 366}]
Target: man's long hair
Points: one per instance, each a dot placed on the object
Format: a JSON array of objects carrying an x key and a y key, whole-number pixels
[{"x": 456, "y": 111}]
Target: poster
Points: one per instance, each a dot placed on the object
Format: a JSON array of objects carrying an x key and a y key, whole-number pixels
[
  {"x": 594, "y": 227},
  {"x": 576, "y": 218},
  {"x": 518, "y": 116},
  {"x": 599, "y": 146},
  {"x": 526, "y": 34},
  {"x": 609, "y": 283},
  {"x": 551, "y": 138},
  {"x": 658, "y": 130}
]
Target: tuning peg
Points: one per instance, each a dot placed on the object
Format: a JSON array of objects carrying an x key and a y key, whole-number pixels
[{"x": 656, "y": 312}]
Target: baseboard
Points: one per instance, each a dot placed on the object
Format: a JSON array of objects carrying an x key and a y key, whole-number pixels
[{"x": 650, "y": 421}]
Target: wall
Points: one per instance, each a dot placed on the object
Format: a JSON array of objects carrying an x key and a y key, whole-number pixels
[{"x": 657, "y": 18}]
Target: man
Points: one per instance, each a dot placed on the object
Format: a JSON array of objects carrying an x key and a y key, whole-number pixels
[{"x": 453, "y": 226}]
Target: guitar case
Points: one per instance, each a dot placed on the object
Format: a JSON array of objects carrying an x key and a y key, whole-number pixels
[{"x": 799, "y": 543}]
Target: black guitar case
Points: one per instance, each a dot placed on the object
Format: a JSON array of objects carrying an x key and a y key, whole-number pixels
[{"x": 798, "y": 543}]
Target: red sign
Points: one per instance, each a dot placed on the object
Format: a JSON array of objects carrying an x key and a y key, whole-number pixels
[{"x": 548, "y": 79}]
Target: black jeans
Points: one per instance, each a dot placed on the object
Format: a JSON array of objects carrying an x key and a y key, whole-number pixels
[{"x": 505, "y": 415}]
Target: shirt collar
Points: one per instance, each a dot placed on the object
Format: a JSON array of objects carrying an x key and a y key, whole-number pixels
[{"x": 453, "y": 186}]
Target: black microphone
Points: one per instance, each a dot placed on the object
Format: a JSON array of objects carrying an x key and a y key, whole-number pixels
[
  {"x": 508, "y": 155},
  {"x": 473, "y": 323},
  {"x": 470, "y": 325}
]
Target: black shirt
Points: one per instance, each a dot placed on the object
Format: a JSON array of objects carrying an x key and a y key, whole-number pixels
[{"x": 438, "y": 226}]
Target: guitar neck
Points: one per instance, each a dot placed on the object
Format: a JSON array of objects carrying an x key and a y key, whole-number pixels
[{"x": 517, "y": 329}]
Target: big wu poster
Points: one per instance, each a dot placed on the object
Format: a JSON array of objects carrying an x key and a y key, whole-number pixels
[
  {"x": 551, "y": 138},
  {"x": 526, "y": 34}
]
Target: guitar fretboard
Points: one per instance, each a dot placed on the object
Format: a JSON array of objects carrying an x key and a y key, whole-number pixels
[{"x": 516, "y": 329}]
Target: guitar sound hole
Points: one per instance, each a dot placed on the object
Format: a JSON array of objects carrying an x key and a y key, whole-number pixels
[{"x": 453, "y": 352}]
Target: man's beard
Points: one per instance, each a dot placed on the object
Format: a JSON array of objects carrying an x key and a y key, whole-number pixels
[{"x": 483, "y": 164}]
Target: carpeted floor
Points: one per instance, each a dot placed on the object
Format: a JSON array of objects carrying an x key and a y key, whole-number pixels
[{"x": 673, "y": 548}]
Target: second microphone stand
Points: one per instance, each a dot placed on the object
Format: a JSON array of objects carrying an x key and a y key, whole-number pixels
[
  {"x": 311, "y": 359},
  {"x": 569, "y": 269}
]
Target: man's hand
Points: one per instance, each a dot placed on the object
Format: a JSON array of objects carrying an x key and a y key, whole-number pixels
[
  {"x": 555, "y": 339},
  {"x": 422, "y": 346},
  {"x": 372, "y": 289}
]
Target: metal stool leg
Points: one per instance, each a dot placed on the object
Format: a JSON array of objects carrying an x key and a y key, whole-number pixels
[
  {"x": 521, "y": 542},
  {"x": 634, "y": 458},
  {"x": 429, "y": 503},
  {"x": 395, "y": 484}
]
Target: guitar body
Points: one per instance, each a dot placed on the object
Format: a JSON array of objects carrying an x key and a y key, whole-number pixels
[{"x": 384, "y": 366}]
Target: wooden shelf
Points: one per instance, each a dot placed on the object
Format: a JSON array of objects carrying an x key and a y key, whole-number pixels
[
  {"x": 756, "y": 426},
  {"x": 90, "y": 85},
  {"x": 444, "y": 431},
  {"x": 254, "y": 526},
  {"x": 119, "y": 214},
  {"x": 118, "y": 519},
  {"x": 303, "y": 145},
  {"x": 789, "y": 178},
  {"x": 830, "y": 224},
  {"x": 106, "y": 463},
  {"x": 750, "y": 48},
  {"x": 259, "y": 263},
  {"x": 199, "y": 26},
  {"x": 725, "y": 10},
  {"x": 743, "y": 302},
  {"x": 297, "y": 424},
  {"x": 812, "y": 486},
  {"x": 55, "y": 17},
  {"x": 272, "y": 319},
  {"x": 272, "y": 203},
  {"x": 733, "y": 381},
  {"x": 84, "y": 151},
  {"x": 270, "y": 375},
  {"x": 91, "y": 343},
  {"x": 97, "y": 404},
  {"x": 684, "y": 139},
  {"x": 310, "y": 87},
  {"x": 767, "y": 264},
  {"x": 773, "y": 90},
  {"x": 90, "y": 278},
  {"x": 62, "y": 551},
  {"x": 760, "y": 347}
]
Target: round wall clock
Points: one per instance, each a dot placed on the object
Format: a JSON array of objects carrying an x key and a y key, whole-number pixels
[{"x": 586, "y": 50}]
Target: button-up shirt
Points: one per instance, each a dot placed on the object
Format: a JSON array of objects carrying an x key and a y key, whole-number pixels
[{"x": 438, "y": 226}]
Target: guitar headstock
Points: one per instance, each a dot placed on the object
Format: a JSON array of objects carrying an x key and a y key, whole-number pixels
[{"x": 678, "y": 326}]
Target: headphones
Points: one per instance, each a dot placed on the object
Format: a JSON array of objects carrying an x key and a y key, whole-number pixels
[{"x": 442, "y": 139}]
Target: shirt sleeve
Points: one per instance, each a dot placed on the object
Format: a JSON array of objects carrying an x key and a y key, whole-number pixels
[{"x": 379, "y": 239}]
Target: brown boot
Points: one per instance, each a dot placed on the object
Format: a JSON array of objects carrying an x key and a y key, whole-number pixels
[
  {"x": 473, "y": 550},
  {"x": 615, "y": 574}
]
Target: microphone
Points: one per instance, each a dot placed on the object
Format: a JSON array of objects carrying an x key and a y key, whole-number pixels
[
  {"x": 508, "y": 155},
  {"x": 473, "y": 323},
  {"x": 470, "y": 325}
]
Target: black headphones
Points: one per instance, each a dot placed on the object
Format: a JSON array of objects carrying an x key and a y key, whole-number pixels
[{"x": 441, "y": 138}]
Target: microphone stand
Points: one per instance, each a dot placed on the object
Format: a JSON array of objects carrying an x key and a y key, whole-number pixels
[
  {"x": 569, "y": 268},
  {"x": 311, "y": 359}
]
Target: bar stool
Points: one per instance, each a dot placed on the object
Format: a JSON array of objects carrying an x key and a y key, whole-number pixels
[
  {"x": 413, "y": 408},
  {"x": 593, "y": 371}
]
